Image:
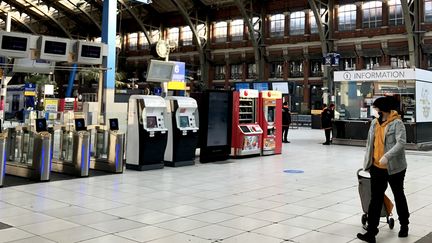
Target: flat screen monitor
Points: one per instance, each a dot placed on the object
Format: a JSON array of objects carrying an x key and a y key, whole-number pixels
[
  {"x": 151, "y": 122},
  {"x": 239, "y": 86},
  {"x": 160, "y": 71},
  {"x": 14, "y": 43},
  {"x": 55, "y": 47},
  {"x": 114, "y": 124},
  {"x": 218, "y": 119},
  {"x": 184, "y": 121},
  {"x": 261, "y": 86},
  {"x": 91, "y": 51},
  {"x": 80, "y": 124},
  {"x": 41, "y": 125},
  {"x": 281, "y": 87}
]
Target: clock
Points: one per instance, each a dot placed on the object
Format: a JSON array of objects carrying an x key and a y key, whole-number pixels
[{"x": 162, "y": 48}]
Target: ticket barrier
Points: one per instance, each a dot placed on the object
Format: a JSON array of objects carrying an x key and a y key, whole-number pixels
[
  {"x": 109, "y": 149},
  {"x": 71, "y": 150},
  {"x": 28, "y": 152}
]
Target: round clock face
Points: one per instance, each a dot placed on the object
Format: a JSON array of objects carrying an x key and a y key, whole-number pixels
[{"x": 162, "y": 48}]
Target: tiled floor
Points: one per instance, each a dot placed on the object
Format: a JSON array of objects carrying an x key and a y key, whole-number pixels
[{"x": 248, "y": 200}]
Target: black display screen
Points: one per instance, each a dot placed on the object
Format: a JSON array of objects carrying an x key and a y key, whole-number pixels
[
  {"x": 14, "y": 43},
  {"x": 245, "y": 129},
  {"x": 90, "y": 51},
  {"x": 114, "y": 124},
  {"x": 55, "y": 47},
  {"x": 41, "y": 125},
  {"x": 151, "y": 122},
  {"x": 218, "y": 113},
  {"x": 80, "y": 124}
]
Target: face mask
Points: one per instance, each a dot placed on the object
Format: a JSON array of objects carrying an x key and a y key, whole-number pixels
[{"x": 375, "y": 113}]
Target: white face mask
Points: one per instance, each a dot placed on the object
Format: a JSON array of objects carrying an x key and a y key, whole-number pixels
[{"x": 375, "y": 113}]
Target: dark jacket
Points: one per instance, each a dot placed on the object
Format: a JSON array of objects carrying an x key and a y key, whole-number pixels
[
  {"x": 327, "y": 116},
  {"x": 286, "y": 115}
]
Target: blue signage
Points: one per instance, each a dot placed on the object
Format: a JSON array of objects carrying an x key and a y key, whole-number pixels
[
  {"x": 179, "y": 72},
  {"x": 30, "y": 87}
]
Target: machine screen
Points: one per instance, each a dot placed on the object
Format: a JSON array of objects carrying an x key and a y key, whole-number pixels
[
  {"x": 270, "y": 114},
  {"x": 261, "y": 86},
  {"x": 239, "y": 86},
  {"x": 245, "y": 129},
  {"x": 151, "y": 122},
  {"x": 218, "y": 122},
  {"x": 184, "y": 121},
  {"x": 41, "y": 125},
  {"x": 114, "y": 125},
  {"x": 80, "y": 125}
]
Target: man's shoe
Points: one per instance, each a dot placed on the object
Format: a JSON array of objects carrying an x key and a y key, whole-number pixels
[
  {"x": 403, "y": 232},
  {"x": 288, "y": 142},
  {"x": 326, "y": 143},
  {"x": 368, "y": 237}
]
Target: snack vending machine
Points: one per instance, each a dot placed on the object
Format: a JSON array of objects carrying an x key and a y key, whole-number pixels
[
  {"x": 270, "y": 119},
  {"x": 246, "y": 132}
]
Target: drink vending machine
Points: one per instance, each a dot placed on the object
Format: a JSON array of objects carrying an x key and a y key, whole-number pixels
[
  {"x": 147, "y": 133},
  {"x": 246, "y": 132},
  {"x": 182, "y": 122},
  {"x": 270, "y": 119}
]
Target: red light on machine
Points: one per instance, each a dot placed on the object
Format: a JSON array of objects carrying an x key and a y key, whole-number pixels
[
  {"x": 269, "y": 94},
  {"x": 245, "y": 93}
]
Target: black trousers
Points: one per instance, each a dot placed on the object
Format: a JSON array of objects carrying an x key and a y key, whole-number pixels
[
  {"x": 327, "y": 135},
  {"x": 379, "y": 180},
  {"x": 285, "y": 132}
]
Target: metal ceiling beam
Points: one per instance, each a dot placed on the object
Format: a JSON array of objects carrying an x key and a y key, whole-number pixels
[
  {"x": 410, "y": 8},
  {"x": 18, "y": 21},
  {"x": 241, "y": 5},
  {"x": 89, "y": 16},
  {"x": 137, "y": 19},
  {"x": 95, "y": 3},
  {"x": 202, "y": 57},
  {"x": 68, "y": 34}
]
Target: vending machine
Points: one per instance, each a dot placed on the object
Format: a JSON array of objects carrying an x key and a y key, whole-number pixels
[
  {"x": 270, "y": 119},
  {"x": 182, "y": 123},
  {"x": 147, "y": 133},
  {"x": 246, "y": 136}
]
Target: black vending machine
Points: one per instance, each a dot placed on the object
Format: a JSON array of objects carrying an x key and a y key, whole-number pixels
[{"x": 215, "y": 115}]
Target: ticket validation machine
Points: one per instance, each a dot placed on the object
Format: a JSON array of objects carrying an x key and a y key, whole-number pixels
[
  {"x": 28, "y": 152},
  {"x": 147, "y": 133},
  {"x": 72, "y": 150},
  {"x": 270, "y": 119},
  {"x": 109, "y": 148},
  {"x": 182, "y": 122}
]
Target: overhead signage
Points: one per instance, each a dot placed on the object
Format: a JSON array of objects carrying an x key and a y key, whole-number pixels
[
  {"x": 375, "y": 75},
  {"x": 176, "y": 85},
  {"x": 179, "y": 72},
  {"x": 51, "y": 105}
]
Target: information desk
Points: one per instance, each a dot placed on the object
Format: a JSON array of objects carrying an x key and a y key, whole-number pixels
[{"x": 355, "y": 132}]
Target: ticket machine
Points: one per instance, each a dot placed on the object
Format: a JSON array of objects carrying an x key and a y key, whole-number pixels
[
  {"x": 109, "y": 149},
  {"x": 28, "y": 151},
  {"x": 182, "y": 122},
  {"x": 147, "y": 133},
  {"x": 71, "y": 149},
  {"x": 246, "y": 132},
  {"x": 270, "y": 119}
]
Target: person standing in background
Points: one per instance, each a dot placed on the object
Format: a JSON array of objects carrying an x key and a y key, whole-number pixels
[
  {"x": 327, "y": 116},
  {"x": 286, "y": 120}
]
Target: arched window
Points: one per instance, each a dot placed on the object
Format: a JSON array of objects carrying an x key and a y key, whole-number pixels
[
  {"x": 173, "y": 35},
  {"x": 428, "y": 10},
  {"x": 347, "y": 15},
  {"x": 297, "y": 23},
  {"x": 312, "y": 21},
  {"x": 187, "y": 36},
  {"x": 277, "y": 25},
  {"x": 133, "y": 41},
  {"x": 220, "y": 31},
  {"x": 237, "y": 27},
  {"x": 372, "y": 14},
  {"x": 395, "y": 13}
]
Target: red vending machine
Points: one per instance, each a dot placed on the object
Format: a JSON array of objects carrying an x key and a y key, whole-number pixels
[
  {"x": 246, "y": 132},
  {"x": 270, "y": 120}
]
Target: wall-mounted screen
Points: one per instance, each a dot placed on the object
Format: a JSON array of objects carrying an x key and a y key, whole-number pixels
[
  {"x": 261, "y": 86},
  {"x": 80, "y": 124},
  {"x": 14, "y": 45},
  {"x": 281, "y": 87},
  {"x": 151, "y": 122},
  {"x": 55, "y": 47},
  {"x": 89, "y": 52},
  {"x": 160, "y": 71},
  {"x": 239, "y": 86},
  {"x": 245, "y": 129},
  {"x": 184, "y": 121}
]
